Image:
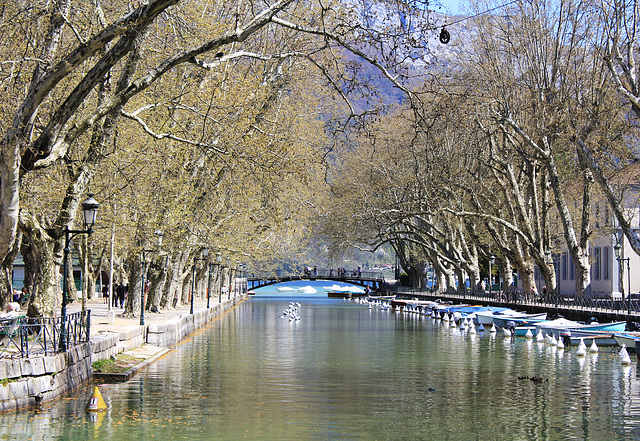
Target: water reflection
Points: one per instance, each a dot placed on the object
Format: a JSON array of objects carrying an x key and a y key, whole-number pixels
[{"x": 345, "y": 371}]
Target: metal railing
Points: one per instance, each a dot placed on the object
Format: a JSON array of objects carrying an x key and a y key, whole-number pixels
[
  {"x": 562, "y": 301},
  {"x": 37, "y": 336},
  {"x": 322, "y": 274}
]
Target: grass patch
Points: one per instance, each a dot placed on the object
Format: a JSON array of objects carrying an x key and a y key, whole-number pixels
[{"x": 116, "y": 365}]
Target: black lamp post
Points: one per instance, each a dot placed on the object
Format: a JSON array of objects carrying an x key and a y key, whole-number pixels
[
  {"x": 209, "y": 284},
  {"x": 459, "y": 263},
  {"x": 230, "y": 274},
  {"x": 219, "y": 263},
  {"x": 159, "y": 234},
  {"x": 90, "y": 210},
  {"x": 236, "y": 282},
  {"x": 492, "y": 260},
  {"x": 205, "y": 253},
  {"x": 618, "y": 252}
]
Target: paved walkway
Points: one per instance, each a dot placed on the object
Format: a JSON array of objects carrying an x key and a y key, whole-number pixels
[
  {"x": 148, "y": 352},
  {"x": 99, "y": 311}
]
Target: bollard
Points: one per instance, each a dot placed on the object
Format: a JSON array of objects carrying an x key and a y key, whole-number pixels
[{"x": 96, "y": 403}]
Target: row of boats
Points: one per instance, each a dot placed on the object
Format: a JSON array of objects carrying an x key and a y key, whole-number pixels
[{"x": 524, "y": 324}]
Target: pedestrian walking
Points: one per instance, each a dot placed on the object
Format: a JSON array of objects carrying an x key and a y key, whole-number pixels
[{"x": 121, "y": 290}]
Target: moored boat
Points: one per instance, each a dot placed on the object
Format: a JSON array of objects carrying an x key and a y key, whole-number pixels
[
  {"x": 506, "y": 314},
  {"x": 523, "y": 320},
  {"x": 561, "y": 324},
  {"x": 628, "y": 339}
]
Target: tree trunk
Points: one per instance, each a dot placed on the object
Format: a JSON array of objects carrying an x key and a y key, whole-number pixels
[
  {"x": 48, "y": 252},
  {"x": 506, "y": 272},
  {"x": 157, "y": 278},
  {"x": 132, "y": 305}
]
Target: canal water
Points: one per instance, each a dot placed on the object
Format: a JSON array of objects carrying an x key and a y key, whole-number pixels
[{"x": 344, "y": 371}]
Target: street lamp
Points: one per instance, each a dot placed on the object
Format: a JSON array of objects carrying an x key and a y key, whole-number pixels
[
  {"x": 492, "y": 260},
  {"x": 230, "y": 274},
  {"x": 209, "y": 284},
  {"x": 159, "y": 235},
  {"x": 618, "y": 252},
  {"x": 463, "y": 280},
  {"x": 90, "y": 211},
  {"x": 205, "y": 253},
  {"x": 236, "y": 281},
  {"x": 219, "y": 263}
]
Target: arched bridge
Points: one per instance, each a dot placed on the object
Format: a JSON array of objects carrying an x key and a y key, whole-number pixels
[{"x": 373, "y": 280}]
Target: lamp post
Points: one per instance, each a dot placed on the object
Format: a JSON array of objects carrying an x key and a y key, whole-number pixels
[
  {"x": 459, "y": 263},
  {"x": 236, "y": 282},
  {"x": 230, "y": 274},
  {"x": 219, "y": 263},
  {"x": 209, "y": 284},
  {"x": 205, "y": 253},
  {"x": 618, "y": 252},
  {"x": 159, "y": 234},
  {"x": 90, "y": 211},
  {"x": 492, "y": 260}
]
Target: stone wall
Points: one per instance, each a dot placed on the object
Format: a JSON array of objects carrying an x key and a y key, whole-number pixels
[{"x": 27, "y": 382}]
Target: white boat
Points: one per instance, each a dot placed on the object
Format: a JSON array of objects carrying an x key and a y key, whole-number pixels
[
  {"x": 520, "y": 320},
  {"x": 487, "y": 317},
  {"x": 562, "y": 324},
  {"x": 628, "y": 339}
]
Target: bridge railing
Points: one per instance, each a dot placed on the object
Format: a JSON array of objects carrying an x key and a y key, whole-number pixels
[{"x": 323, "y": 274}]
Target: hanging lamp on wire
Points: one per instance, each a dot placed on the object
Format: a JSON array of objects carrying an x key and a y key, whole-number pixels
[{"x": 445, "y": 37}]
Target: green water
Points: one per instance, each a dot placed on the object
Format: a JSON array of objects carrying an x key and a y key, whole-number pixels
[{"x": 347, "y": 372}]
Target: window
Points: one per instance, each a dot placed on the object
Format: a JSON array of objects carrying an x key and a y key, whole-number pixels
[
  {"x": 597, "y": 263},
  {"x": 564, "y": 266},
  {"x": 572, "y": 269},
  {"x": 606, "y": 251}
]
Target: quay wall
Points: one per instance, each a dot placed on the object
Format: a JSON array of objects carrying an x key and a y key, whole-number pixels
[{"x": 26, "y": 382}]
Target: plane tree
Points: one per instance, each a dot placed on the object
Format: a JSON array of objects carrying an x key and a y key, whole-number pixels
[{"x": 83, "y": 68}]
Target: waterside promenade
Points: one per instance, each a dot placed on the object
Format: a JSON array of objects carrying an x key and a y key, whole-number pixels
[{"x": 28, "y": 381}]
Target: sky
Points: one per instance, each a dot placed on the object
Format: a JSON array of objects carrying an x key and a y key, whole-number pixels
[{"x": 453, "y": 7}]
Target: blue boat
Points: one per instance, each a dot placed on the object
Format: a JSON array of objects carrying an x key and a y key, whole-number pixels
[
  {"x": 524, "y": 320},
  {"x": 564, "y": 324}
]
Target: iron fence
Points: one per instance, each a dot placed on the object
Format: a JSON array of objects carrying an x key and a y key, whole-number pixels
[
  {"x": 630, "y": 307},
  {"x": 37, "y": 336}
]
